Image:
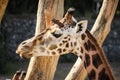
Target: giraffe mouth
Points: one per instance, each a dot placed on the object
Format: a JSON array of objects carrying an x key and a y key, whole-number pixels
[
  {"x": 18, "y": 52},
  {"x": 24, "y": 54}
]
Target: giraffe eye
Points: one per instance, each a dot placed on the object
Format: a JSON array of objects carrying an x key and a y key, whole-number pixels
[{"x": 56, "y": 35}]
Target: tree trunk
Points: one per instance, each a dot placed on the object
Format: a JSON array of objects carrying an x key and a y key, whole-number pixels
[
  {"x": 43, "y": 68},
  {"x": 100, "y": 31},
  {"x": 3, "y": 5},
  {"x": 102, "y": 25}
]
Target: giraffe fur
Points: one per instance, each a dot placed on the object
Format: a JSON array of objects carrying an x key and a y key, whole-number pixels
[{"x": 62, "y": 38}]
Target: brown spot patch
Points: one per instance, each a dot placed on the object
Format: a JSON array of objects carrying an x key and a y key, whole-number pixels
[
  {"x": 42, "y": 49},
  {"x": 67, "y": 45},
  {"x": 60, "y": 44},
  {"x": 75, "y": 53},
  {"x": 64, "y": 41},
  {"x": 81, "y": 50},
  {"x": 83, "y": 36},
  {"x": 91, "y": 46},
  {"x": 59, "y": 50},
  {"x": 39, "y": 37},
  {"x": 65, "y": 37},
  {"x": 68, "y": 35},
  {"x": 87, "y": 59},
  {"x": 39, "y": 41},
  {"x": 92, "y": 75},
  {"x": 75, "y": 43},
  {"x": 85, "y": 64},
  {"x": 48, "y": 52},
  {"x": 71, "y": 44},
  {"x": 64, "y": 50},
  {"x": 80, "y": 56},
  {"x": 86, "y": 46},
  {"x": 53, "y": 53},
  {"x": 68, "y": 39},
  {"x": 53, "y": 47},
  {"x": 96, "y": 60},
  {"x": 103, "y": 75}
]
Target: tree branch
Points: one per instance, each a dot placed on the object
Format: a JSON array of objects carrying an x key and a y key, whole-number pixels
[
  {"x": 43, "y": 68},
  {"x": 101, "y": 27},
  {"x": 3, "y": 5}
]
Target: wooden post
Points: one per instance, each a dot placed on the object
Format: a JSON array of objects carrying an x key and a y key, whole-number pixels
[
  {"x": 100, "y": 31},
  {"x": 3, "y": 5},
  {"x": 43, "y": 68}
]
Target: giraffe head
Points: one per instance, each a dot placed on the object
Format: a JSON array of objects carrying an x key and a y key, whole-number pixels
[
  {"x": 53, "y": 40},
  {"x": 57, "y": 41}
]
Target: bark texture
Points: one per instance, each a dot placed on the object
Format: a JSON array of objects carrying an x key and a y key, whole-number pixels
[
  {"x": 43, "y": 68},
  {"x": 3, "y": 5},
  {"x": 102, "y": 25},
  {"x": 100, "y": 31}
]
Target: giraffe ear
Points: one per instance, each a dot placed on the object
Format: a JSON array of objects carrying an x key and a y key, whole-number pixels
[{"x": 81, "y": 26}]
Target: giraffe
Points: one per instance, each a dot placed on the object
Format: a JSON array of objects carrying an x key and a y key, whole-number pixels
[
  {"x": 19, "y": 75},
  {"x": 16, "y": 75},
  {"x": 62, "y": 38}
]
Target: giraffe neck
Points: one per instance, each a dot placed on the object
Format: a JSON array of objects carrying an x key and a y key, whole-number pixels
[
  {"x": 94, "y": 59},
  {"x": 92, "y": 55}
]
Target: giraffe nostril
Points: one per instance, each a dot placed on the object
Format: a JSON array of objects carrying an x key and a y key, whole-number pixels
[
  {"x": 24, "y": 43},
  {"x": 26, "y": 46}
]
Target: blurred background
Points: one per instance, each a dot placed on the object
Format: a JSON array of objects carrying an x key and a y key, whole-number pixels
[{"x": 19, "y": 24}]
